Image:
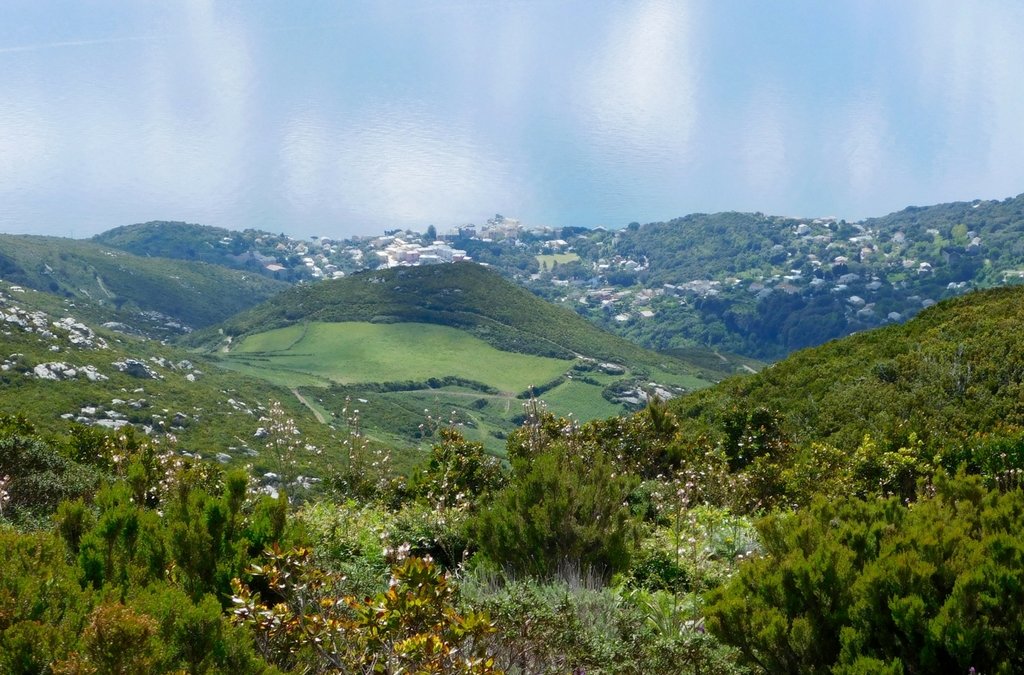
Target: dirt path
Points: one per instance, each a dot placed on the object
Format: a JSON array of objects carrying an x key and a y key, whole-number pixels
[
  {"x": 302, "y": 399},
  {"x": 103, "y": 288}
]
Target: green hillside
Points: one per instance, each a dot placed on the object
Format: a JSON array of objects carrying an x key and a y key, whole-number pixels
[
  {"x": 357, "y": 352},
  {"x": 453, "y": 341},
  {"x": 184, "y": 241},
  {"x": 803, "y": 519},
  {"x": 948, "y": 380},
  {"x": 192, "y": 294},
  {"x": 765, "y": 286},
  {"x": 249, "y": 250},
  {"x": 465, "y": 296},
  {"x": 61, "y": 371}
]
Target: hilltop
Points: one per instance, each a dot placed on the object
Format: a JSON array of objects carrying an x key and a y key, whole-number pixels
[
  {"x": 463, "y": 295},
  {"x": 184, "y": 295}
]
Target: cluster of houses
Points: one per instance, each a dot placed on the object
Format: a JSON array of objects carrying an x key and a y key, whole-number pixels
[
  {"x": 813, "y": 261},
  {"x": 498, "y": 228},
  {"x": 853, "y": 267},
  {"x": 398, "y": 252},
  {"x": 627, "y": 303},
  {"x": 320, "y": 258}
]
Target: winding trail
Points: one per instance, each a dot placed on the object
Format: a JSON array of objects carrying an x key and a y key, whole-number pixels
[
  {"x": 302, "y": 399},
  {"x": 99, "y": 280}
]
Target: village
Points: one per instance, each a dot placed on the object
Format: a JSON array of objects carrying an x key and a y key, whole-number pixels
[{"x": 866, "y": 275}]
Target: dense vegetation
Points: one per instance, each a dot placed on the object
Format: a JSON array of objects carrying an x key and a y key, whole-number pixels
[
  {"x": 181, "y": 241},
  {"x": 945, "y": 386},
  {"x": 191, "y": 294},
  {"x": 765, "y": 286},
  {"x": 855, "y": 586},
  {"x": 855, "y": 508}
]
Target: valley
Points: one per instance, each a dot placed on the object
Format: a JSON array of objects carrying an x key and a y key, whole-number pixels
[
  {"x": 730, "y": 383},
  {"x": 455, "y": 342},
  {"x": 443, "y": 424}
]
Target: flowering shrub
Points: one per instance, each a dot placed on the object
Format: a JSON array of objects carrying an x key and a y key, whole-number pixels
[
  {"x": 457, "y": 474},
  {"x": 413, "y": 627}
]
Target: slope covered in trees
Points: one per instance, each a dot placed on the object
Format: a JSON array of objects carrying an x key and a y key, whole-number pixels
[
  {"x": 192, "y": 294},
  {"x": 766, "y": 285},
  {"x": 946, "y": 379}
]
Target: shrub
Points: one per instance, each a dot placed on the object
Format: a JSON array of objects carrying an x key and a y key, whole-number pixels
[
  {"x": 413, "y": 627},
  {"x": 457, "y": 474},
  {"x": 934, "y": 586},
  {"x": 560, "y": 508}
]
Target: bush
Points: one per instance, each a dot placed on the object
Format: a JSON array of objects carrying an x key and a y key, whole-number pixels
[
  {"x": 572, "y": 624},
  {"x": 412, "y": 627},
  {"x": 936, "y": 586},
  {"x": 560, "y": 508}
]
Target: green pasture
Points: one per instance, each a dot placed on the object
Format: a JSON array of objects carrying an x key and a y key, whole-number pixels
[
  {"x": 689, "y": 381},
  {"x": 548, "y": 261},
  {"x": 358, "y": 356},
  {"x": 359, "y": 352},
  {"x": 582, "y": 400}
]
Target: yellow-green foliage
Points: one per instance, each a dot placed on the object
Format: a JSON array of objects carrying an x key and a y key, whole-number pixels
[
  {"x": 413, "y": 626},
  {"x": 50, "y": 622}
]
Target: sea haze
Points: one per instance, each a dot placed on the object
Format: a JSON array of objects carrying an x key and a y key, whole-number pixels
[{"x": 340, "y": 118}]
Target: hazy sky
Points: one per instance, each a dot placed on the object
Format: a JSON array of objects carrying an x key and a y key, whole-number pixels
[{"x": 345, "y": 117}]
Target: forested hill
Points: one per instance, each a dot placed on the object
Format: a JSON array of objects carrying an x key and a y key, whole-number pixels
[
  {"x": 462, "y": 295},
  {"x": 767, "y": 285},
  {"x": 704, "y": 246},
  {"x": 742, "y": 283},
  {"x": 189, "y": 294},
  {"x": 943, "y": 383},
  {"x": 185, "y": 241},
  {"x": 994, "y": 229},
  {"x": 250, "y": 250}
]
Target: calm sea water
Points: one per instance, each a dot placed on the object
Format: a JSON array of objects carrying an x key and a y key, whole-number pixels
[{"x": 336, "y": 118}]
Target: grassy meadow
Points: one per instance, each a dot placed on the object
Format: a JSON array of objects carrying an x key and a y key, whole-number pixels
[
  {"x": 405, "y": 377},
  {"x": 359, "y": 352},
  {"x": 550, "y": 260}
]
